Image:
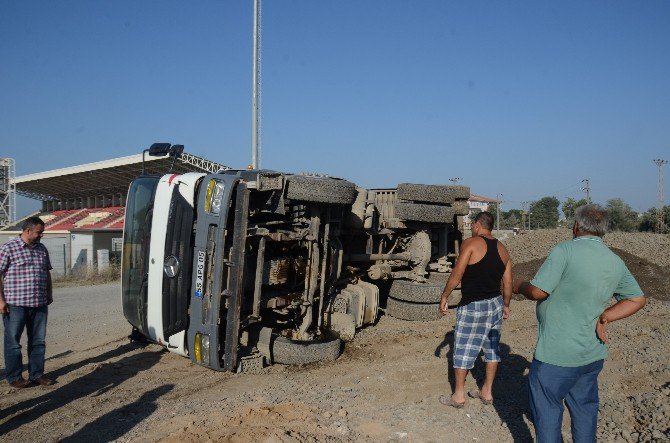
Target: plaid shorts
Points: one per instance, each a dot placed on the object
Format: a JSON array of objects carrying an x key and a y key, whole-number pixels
[{"x": 478, "y": 326}]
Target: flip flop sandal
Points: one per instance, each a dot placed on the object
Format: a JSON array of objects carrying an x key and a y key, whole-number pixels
[
  {"x": 476, "y": 394},
  {"x": 447, "y": 401}
]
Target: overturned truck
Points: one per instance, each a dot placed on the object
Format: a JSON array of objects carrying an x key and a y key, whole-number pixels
[{"x": 243, "y": 268}]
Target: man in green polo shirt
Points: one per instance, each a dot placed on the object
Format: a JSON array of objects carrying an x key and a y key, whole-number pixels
[{"x": 574, "y": 288}]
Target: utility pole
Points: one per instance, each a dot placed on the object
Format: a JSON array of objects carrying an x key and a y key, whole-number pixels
[
  {"x": 255, "y": 88},
  {"x": 587, "y": 188},
  {"x": 660, "y": 225},
  {"x": 498, "y": 203},
  {"x": 523, "y": 214}
]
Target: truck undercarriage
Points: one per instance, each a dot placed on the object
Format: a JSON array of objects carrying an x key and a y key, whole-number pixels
[{"x": 264, "y": 267}]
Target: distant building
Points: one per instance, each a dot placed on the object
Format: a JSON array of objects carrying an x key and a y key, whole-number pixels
[
  {"x": 83, "y": 206},
  {"x": 477, "y": 203}
]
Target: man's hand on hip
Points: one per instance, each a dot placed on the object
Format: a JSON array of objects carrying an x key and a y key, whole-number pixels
[{"x": 601, "y": 329}]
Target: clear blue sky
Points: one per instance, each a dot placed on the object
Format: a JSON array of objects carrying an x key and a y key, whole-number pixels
[{"x": 522, "y": 98}]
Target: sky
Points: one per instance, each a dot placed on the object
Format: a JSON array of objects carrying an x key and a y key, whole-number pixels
[{"x": 525, "y": 99}]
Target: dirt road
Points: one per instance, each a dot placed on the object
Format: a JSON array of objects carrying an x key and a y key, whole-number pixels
[{"x": 383, "y": 388}]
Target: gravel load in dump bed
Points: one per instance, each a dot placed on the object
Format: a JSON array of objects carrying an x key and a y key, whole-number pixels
[{"x": 536, "y": 244}]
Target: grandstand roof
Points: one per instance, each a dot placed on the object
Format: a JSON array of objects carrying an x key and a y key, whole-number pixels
[{"x": 108, "y": 176}]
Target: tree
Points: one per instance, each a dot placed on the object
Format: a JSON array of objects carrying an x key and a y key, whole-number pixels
[
  {"x": 569, "y": 207},
  {"x": 544, "y": 213},
  {"x": 648, "y": 220},
  {"x": 474, "y": 212},
  {"x": 622, "y": 216},
  {"x": 510, "y": 219}
]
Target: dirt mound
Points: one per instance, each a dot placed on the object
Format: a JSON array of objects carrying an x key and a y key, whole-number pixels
[
  {"x": 536, "y": 244},
  {"x": 653, "y": 279},
  {"x": 652, "y": 247}
]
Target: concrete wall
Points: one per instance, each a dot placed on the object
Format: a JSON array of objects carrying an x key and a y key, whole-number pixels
[
  {"x": 103, "y": 240},
  {"x": 85, "y": 246},
  {"x": 83, "y": 254},
  {"x": 58, "y": 246}
]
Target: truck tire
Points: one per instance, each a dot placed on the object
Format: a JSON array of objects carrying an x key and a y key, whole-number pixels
[
  {"x": 405, "y": 290},
  {"x": 432, "y": 193},
  {"x": 427, "y": 213},
  {"x": 320, "y": 190},
  {"x": 290, "y": 352},
  {"x": 439, "y": 277},
  {"x": 413, "y": 311}
]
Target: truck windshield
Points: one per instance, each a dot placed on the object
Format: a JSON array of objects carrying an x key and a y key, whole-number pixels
[{"x": 136, "y": 237}]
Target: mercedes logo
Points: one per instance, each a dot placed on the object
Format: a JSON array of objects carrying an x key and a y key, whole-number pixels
[{"x": 171, "y": 266}]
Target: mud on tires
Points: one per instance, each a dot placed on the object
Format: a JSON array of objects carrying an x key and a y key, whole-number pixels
[
  {"x": 320, "y": 190},
  {"x": 432, "y": 193},
  {"x": 413, "y": 311},
  {"x": 291, "y": 352},
  {"x": 430, "y": 213},
  {"x": 405, "y": 290}
]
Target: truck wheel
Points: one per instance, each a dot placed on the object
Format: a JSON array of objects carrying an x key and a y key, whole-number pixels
[
  {"x": 439, "y": 277},
  {"x": 429, "y": 213},
  {"x": 320, "y": 190},
  {"x": 291, "y": 352},
  {"x": 413, "y": 311},
  {"x": 405, "y": 290},
  {"x": 432, "y": 193}
]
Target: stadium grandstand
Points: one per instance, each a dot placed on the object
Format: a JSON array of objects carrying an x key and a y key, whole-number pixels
[{"x": 83, "y": 206}]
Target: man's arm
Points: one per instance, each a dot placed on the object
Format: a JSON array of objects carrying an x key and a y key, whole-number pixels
[
  {"x": 528, "y": 290},
  {"x": 50, "y": 294},
  {"x": 456, "y": 274},
  {"x": 507, "y": 288},
  {"x": 621, "y": 309},
  {"x": 4, "y": 309}
]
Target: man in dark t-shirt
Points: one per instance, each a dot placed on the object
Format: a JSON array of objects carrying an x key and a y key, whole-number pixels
[{"x": 483, "y": 262}]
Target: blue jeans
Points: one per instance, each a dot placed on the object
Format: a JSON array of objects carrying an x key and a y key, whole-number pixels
[
  {"x": 34, "y": 320},
  {"x": 550, "y": 385}
]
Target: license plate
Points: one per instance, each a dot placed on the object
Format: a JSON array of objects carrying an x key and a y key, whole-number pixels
[{"x": 200, "y": 274}]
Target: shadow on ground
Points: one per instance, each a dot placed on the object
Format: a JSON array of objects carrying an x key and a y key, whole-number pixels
[
  {"x": 510, "y": 389},
  {"x": 103, "y": 378}
]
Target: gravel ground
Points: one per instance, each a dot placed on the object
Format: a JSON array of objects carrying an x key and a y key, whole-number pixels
[
  {"x": 537, "y": 244},
  {"x": 383, "y": 388}
]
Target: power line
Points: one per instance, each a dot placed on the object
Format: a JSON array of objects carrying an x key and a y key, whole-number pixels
[{"x": 576, "y": 186}]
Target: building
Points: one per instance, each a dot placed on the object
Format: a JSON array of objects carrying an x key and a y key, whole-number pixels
[
  {"x": 83, "y": 207},
  {"x": 477, "y": 203}
]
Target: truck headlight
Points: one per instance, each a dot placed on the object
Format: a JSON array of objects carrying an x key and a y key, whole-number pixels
[
  {"x": 214, "y": 196},
  {"x": 202, "y": 348}
]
